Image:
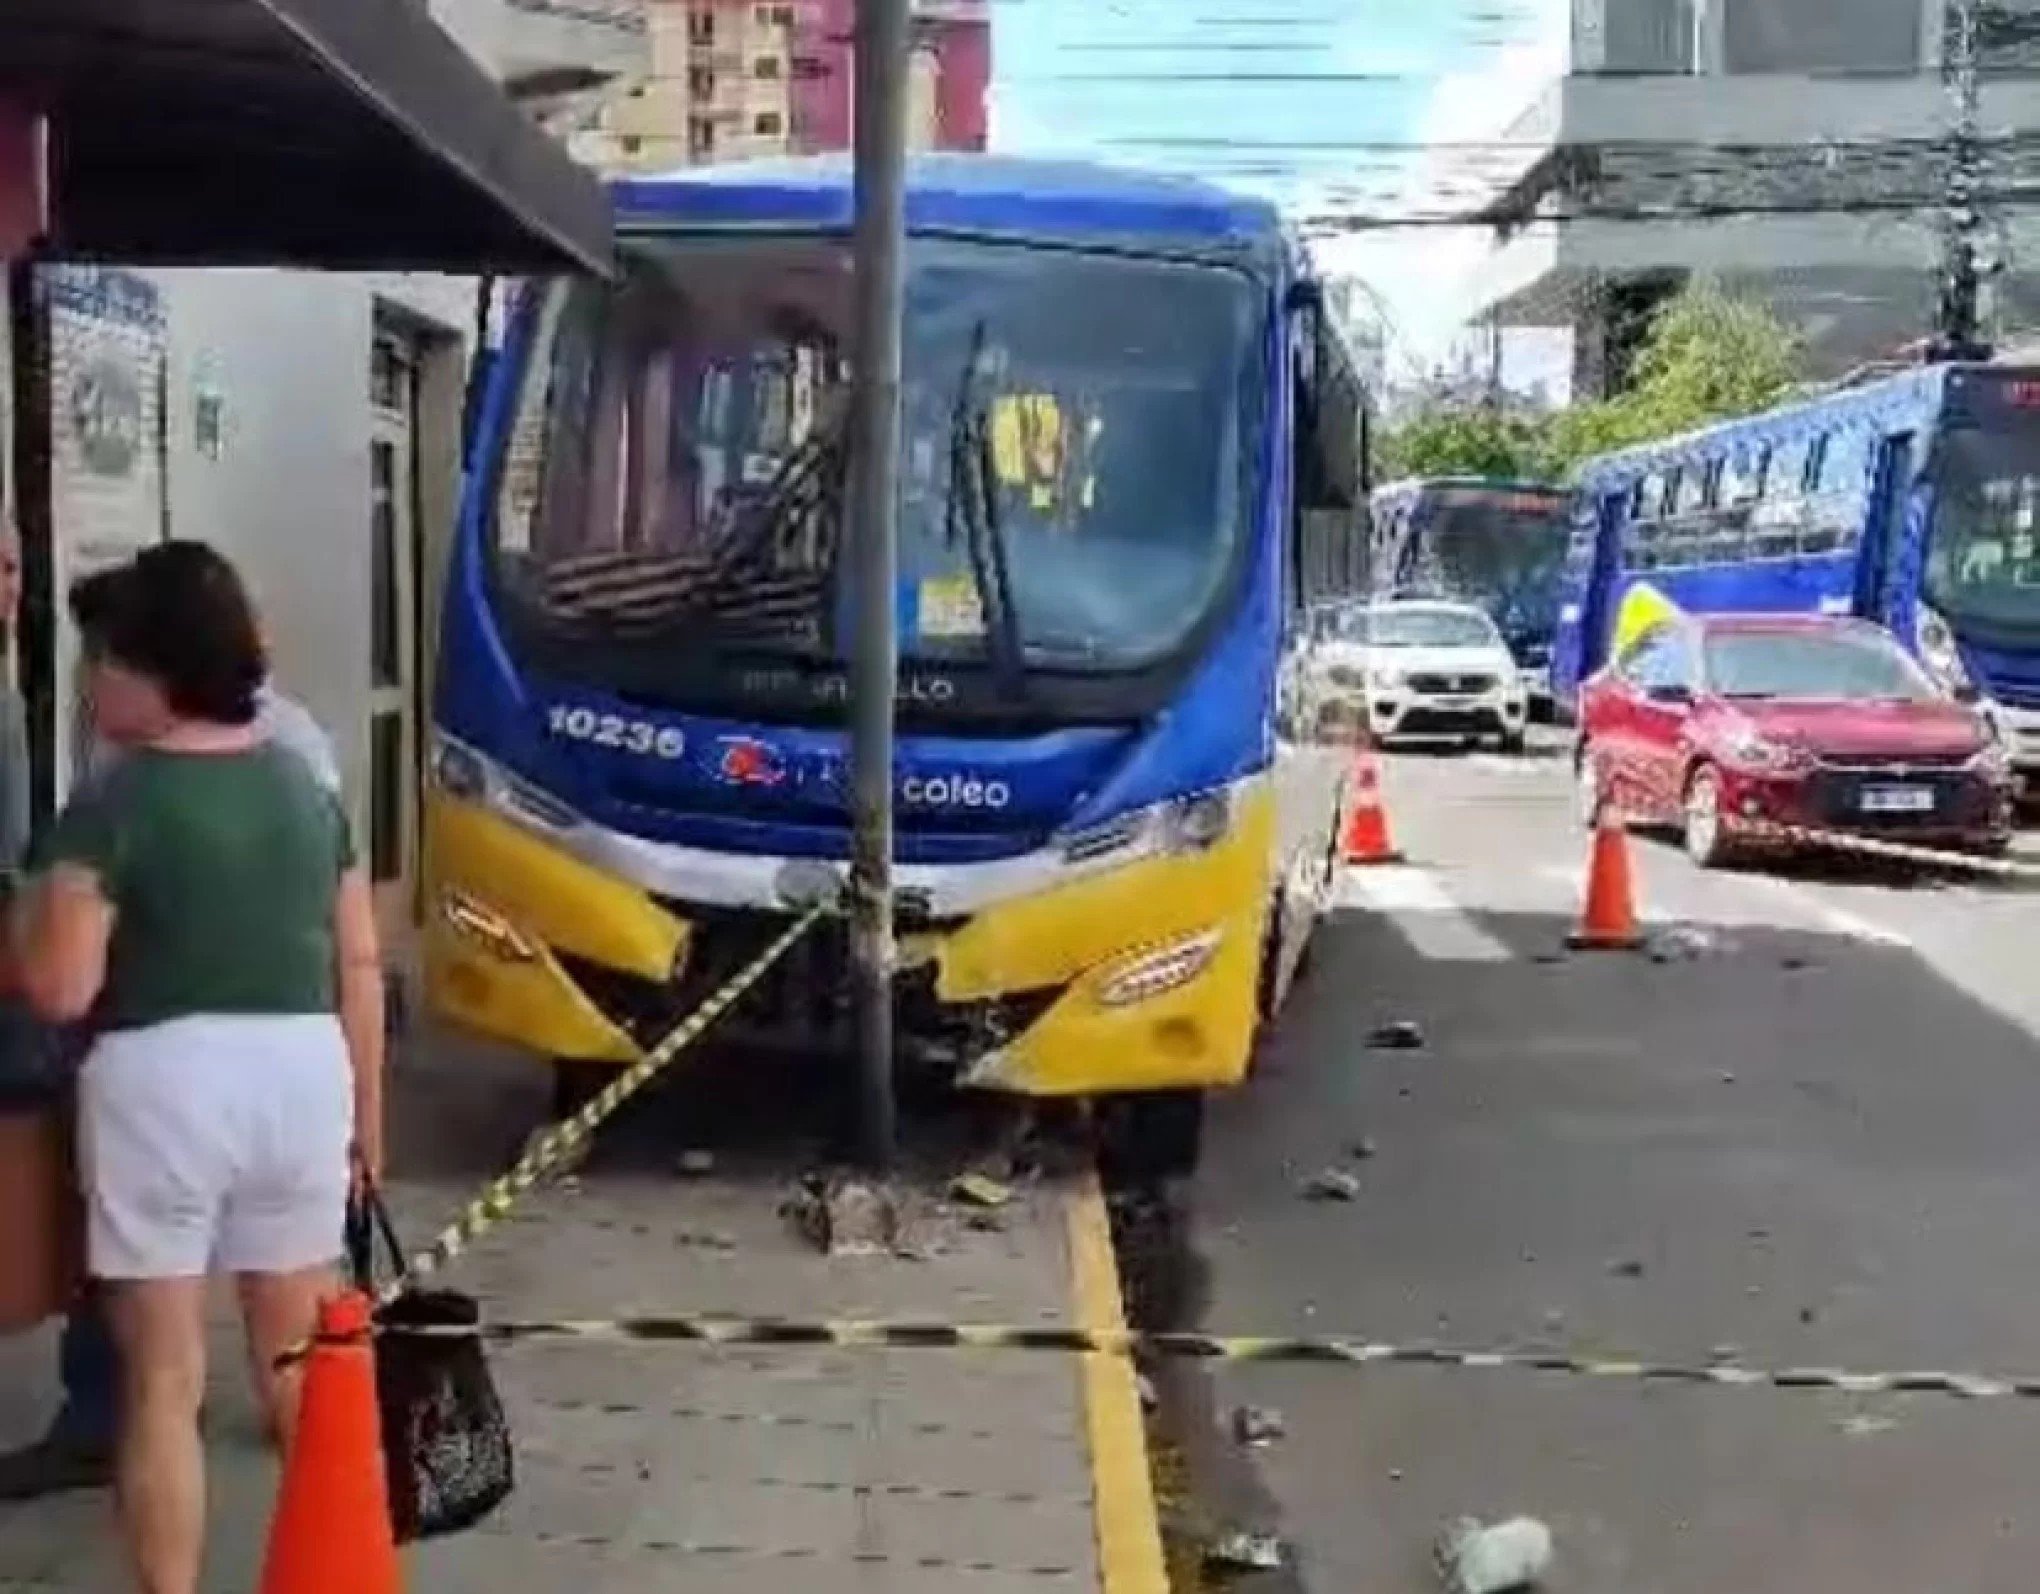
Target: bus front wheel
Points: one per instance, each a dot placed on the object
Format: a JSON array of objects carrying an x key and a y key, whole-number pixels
[{"x": 1150, "y": 1135}]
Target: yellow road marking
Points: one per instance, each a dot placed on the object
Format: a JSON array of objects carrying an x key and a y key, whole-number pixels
[{"x": 1122, "y": 1486}]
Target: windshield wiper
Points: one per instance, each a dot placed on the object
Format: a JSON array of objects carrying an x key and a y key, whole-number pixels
[{"x": 971, "y": 514}]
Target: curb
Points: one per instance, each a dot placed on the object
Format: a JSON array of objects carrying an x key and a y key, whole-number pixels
[{"x": 1129, "y": 1533}]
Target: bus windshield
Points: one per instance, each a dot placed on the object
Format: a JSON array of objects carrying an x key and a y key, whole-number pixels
[
  {"x": 1505, "y": 553},
  {"x": 1983, "y": 561},
  {"x": 1074, "y": 477}
]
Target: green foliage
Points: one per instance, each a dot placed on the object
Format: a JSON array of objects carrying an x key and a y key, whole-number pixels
[
  {"x": 1441, "y": 439},
  {"x": 1708, "y": 356}
]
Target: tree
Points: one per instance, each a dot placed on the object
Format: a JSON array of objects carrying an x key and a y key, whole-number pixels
[
  {"x": 1446, "y": 440},
  {"x": 1707, "y": 356}
]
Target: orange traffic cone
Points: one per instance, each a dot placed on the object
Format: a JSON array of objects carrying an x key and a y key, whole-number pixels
[
  {"x": 1608, "y": 921},
  {"x": 331, "y": 1533},
  {"x": 1366, "y": 838}
]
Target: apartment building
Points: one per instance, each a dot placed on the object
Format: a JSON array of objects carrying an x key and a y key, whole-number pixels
[
  {"x": 305, "y": 422},
  {"x": 1635, "y": 173},
  {"x": 733, "y": 80},
  {"x": 716, "y": 87},
  {"x": 951, "y": 74}
]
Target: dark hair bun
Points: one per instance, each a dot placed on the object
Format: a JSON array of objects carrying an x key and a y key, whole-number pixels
[{"x": 181, "y": 616}]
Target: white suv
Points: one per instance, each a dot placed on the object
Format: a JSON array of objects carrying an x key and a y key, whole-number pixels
[{"x": 1419, "y": 668}]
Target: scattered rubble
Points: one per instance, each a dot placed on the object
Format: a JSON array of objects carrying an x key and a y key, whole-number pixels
[
  {"x": 1503, "y": 1558},
  {"x": 1403, "y": 1035},
  {"x": 1257, "y": 1425},
  {"x": 1684, "y": 942},
  {"x": 1246, "y": 1552},
  {"x": 980, "y": 1190},
  {"x": 843, "y": 1217},
  {"x": 1331, "y": 1184}
]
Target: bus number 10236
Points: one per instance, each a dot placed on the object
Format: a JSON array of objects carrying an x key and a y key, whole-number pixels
[{"x": 614, "y": 730}]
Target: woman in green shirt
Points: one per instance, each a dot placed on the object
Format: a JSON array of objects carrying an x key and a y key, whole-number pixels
[{"x": 202, "y": 904}]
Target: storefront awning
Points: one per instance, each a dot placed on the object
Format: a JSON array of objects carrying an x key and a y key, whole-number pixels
[{"x": 353, "y": 134}]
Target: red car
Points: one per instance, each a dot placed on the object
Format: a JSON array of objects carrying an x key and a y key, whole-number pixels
[{"x": 1799, "y": 720}]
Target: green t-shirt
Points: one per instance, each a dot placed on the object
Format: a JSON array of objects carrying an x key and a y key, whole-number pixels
[{"x": 222, "y": 869}]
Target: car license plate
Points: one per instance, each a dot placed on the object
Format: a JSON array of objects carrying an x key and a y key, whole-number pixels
[{"x": 1898, "y": 800}]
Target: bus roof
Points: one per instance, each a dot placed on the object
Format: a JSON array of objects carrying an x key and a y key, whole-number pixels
[
  {"x": 1897, "y": 398},
  {"x": 1407, "y": 485},
  {"x": 997, "y": 195}
]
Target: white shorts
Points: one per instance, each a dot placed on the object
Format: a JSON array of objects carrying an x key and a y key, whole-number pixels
[{"x": 216, "y": 1143}]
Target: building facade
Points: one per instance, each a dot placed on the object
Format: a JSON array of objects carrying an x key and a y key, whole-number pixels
[
  {"x": 732, "y": 80},
  {"x": 307, "y": 423},
  {"x": 951, "y": 74},
  {"x": 1793, "y": 150}
]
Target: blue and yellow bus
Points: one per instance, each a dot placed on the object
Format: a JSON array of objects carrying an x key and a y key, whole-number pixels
[
  {"x": 1912, "y": 500},
  {"x": 1498, "y": 544},
  {"x": 1124, "y": 413}
]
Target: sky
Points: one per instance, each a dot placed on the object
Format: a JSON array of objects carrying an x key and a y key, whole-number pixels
[{"x": 1295, "y": 98}]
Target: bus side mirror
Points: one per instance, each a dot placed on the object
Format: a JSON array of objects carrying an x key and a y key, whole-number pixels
[{"x": 1966, "y": 693}]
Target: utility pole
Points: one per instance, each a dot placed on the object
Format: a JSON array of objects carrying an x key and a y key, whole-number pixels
[
  {"x": 1958, "y": 322},
  {"x": 880, "y": 245}
]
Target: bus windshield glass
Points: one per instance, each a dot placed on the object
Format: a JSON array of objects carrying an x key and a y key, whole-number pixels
[
  {"x": 1983, "y": 561},
  {"x": 1504, "y": 551},
  {"x": 1074, "y": 462}
]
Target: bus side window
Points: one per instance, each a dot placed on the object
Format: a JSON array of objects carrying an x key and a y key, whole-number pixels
[{"x": 1813, "y": 467}]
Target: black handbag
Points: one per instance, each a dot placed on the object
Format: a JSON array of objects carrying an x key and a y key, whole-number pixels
[{"x": 446, "y": 1441}]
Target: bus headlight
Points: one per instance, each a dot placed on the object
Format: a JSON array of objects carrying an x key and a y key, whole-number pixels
[
  {"x": 1149, "y": 974},
  {"x": 1192, "y": 824},
  {"x": 459, "y": 770},
  {"x": 1936, "y": 643}
]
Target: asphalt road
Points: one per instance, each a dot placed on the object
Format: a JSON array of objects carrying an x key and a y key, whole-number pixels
[{"x": 1804, "y": 1134}]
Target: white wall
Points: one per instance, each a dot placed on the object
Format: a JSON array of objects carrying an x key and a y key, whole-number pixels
[{"x": 287, "y": 499}]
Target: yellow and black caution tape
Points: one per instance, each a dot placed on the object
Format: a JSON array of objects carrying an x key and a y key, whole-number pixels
[
  {"x": 1878, "y": 847},
  {"x": 1335, "y": 1350},
  {"x": 548, "y": 1149}
]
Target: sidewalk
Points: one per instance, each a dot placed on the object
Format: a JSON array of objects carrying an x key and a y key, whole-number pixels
[{"x": 697, "y": 1469}]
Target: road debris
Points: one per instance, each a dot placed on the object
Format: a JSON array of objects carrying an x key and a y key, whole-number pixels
[
  {"x": 1363, "y": 1150},
  {"x": 694, "y": 1164},
  {"x": 1627, "y": 1268},
  {"x": 1687, "y": 941},
  {"x": 1245, "y": 1552},
  {"x": 1331, "y": 1184},
  {"x": 980, "y": 1190},
  {"x": 1401, "y": 1035},
  {"x": 1257, "y": 1425},
  {"x": 1501, "y": 1559},
  {"x": 842, "y": 1217}
]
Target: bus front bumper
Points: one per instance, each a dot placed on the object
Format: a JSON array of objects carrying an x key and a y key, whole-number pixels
[{"x": 1135, "y": 977}]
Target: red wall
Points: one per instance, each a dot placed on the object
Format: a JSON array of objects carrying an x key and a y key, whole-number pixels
[
  {"x": 961, "y": 32},
  {"x": 21, "y": 178}
]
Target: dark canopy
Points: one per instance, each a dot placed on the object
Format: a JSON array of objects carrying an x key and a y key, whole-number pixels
[{"x": 341, "y": 133}]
